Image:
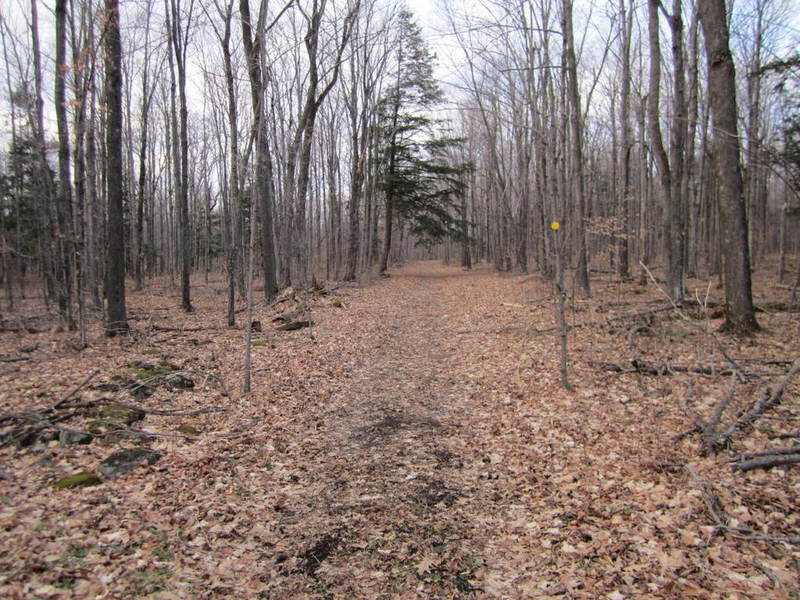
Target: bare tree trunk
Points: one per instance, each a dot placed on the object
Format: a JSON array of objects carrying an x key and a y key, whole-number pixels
[
  {"x": 263, "y": 191},
  {"x": 740, "y": 314},
  {"x": 624, "y": 189},
  {"x": 44, "y": 176},
  {"x": 674, "y": 285},
  {"x": 178, "y": 39},
  {"x": 234, "y": 203},
  {"x": 676, "y": 210},
  {"x": 117, "y": 320},
  {"x": 690, "y": 187},
  {"x": 138, "y": 261},
  {"x": 64, "y": 192},
  {"x": 358, "y": 135},
  {"x": 466, "y": 257},
  {"x": 782, "y": 235},
  {"x": 576, "y": 130}
]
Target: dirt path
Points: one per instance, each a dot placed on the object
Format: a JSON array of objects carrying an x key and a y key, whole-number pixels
[
  {"x": 419, "y": 484},
  {"x": 386, "y": 484}
]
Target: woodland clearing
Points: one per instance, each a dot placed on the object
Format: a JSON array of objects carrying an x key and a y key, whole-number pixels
[{"x": 414, "y": 443}]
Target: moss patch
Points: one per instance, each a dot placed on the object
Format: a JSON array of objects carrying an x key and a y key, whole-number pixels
[
  {"x": 150, "y": 581},
  {"x": 80, "y": 480},
  {"x": 188, "y": 430},
  {"x": 143, "y": 372}
]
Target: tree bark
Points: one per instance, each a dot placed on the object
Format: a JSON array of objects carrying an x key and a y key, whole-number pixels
[
  {"x": 178, "y": 42},
  {"x": 65, "y": 245},
  {"x": 235, "y": 203},
  {"x": 676, "y": 210},
  {"x": 740, "y": 314},
  {"x": 117, "y": 320},
  {"x": 263, "y": 186},
  {"x": 624, "y": 189},
  {"x": 576, "y": 143}
]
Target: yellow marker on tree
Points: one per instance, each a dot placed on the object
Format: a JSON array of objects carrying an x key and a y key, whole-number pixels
[{"x": 555, "y": 225}]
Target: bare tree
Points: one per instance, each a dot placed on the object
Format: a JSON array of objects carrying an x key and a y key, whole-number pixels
[
  {"x": 263, "y": 188},
  {"x": 624, "y": 188},
  {"x": 576, "y": 131},
  {"x": 740, "y": 314},
  {"x": 179, "y": 40},
  {"x": 117, "y": 320}
]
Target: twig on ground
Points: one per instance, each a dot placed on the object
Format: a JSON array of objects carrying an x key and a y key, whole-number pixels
[
  {"x": 767, "y": 459},
  {"x": 787, "y": 435},
  {"x": 710, "y": 430},
  {"x": 742, "y": 374},
  {"x": 75, "y": 390},
  {"x": 185, "y": 329},
  {"x": 768, "y": 400},
  {"x": 713, "y": 505},
  {"x": 644, "y": 368}
]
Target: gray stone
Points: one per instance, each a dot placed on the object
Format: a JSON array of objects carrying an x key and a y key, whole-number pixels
[
  {"x": 126, "y": 460},
  {"x": 73, "y": 436},
  {"x": 178, "y": 382}
]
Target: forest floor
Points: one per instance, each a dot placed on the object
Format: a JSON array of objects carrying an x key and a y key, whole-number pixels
[{"x": 419, "y": 445}]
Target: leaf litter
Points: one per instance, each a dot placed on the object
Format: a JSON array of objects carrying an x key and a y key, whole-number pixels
[{"x": 419, "y": 446}]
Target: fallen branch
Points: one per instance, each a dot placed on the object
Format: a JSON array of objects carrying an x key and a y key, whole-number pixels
[
  {"x": 789, "y": 450},
  {"x": 166, "y": 413},
  {"x": 644, "y": 368},
  {"x": 710, "y": 430},
  {"x": 503, "y": 330},
  {"x": 75, "y": 390},
  {"x": 767, "y": 459},
  {"x": 699, "y": 423},
  {"x": 767, "y": 462},
  {"x": 10, "y": 359},
  {"x": 713, "y": 504},
  {"x": 716, "y": 509},
  {"x": 788, "y": 435},
  {"x": 141, "y": 433},
  {"x": 183, "y": 329},
  {"x": 741, "y": 373},
  {"x": 768, "y": 400},
  {"x": 34, "y": 357}
]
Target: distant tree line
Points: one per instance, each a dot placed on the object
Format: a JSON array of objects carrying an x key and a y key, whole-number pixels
[{"x": 303, "y": 141}]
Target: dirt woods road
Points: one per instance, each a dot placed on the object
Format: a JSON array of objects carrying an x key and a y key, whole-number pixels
[{"x": 419, "y": 482}]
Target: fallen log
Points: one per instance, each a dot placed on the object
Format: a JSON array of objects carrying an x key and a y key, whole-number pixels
[
  {"x": 767, "y": 462},
  {"x": 645, "y": 368},
  {"x": 294, "y": 325},
  {"x": 183, "y": 329},
  {"x": 776, "y": 451}
]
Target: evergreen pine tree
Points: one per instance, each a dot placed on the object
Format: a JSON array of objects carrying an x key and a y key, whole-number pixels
[{"x": 420, "y": 182}]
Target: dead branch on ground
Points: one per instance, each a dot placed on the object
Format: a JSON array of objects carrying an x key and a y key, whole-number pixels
[
  {"x": 717, "y": 512},
  {"x": 767, "y": 459},
  {"x": 715, "y": 439}
]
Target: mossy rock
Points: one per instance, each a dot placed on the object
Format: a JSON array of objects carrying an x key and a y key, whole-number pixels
[
  {"x": 98, "y": 426},
  {"x": 177, "y": 382},
  {"x": 126, "y": 460},
  {"x": 73, "y": 436},
  {"x": 143, "y": 371},
  {"x": 79, "y": 480},
  {"x": 117, "y": 414},
  {"x": 188, "y": 430},
  {"x": 696, "y": 315},
  {"x": 141, "y": 392}
]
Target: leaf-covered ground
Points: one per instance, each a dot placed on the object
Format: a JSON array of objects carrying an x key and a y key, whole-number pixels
[{"x": 418, "y": 446}]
